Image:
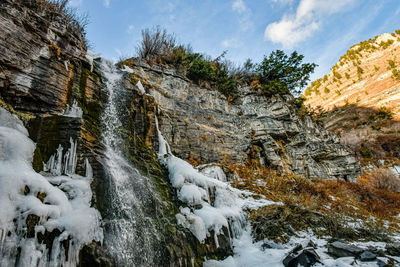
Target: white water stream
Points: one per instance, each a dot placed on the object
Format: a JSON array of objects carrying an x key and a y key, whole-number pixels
[{"x": 130, "y": 236}]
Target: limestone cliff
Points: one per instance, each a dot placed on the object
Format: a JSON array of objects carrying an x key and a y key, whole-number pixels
[{"x": 203, "y": 127}]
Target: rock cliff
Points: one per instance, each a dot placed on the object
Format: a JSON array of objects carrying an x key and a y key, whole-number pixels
[
  {"x": 203, "y": 127},
  {"x": 367, "y": 76}
]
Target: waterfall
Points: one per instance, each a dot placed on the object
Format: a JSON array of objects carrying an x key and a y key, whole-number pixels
[{"x": 130, "y": 234}]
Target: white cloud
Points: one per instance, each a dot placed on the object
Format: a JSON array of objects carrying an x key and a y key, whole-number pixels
[
  {"x": 282, "y": 2},
  {"x": 231, "y": 43},
  {"x": 130, "y": 29},
  {"x": 239, "y": 6},
  {"x": 245, "y": 21},
  {"x": 75, "y": 3},
  {"x": 107, "y": 3},
  {"x": 295, "y": 28}
]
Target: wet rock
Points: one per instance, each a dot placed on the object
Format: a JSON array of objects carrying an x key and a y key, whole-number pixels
[
  {"x": 306, "y": 258},
  {"x": 367, "y": 256},
  {"x": 344, "y": 249},
  {"x": 93, "y": 255},
  {"x": 381, "y": 263},
  {"x": 31, "y": 221},
  {"x": 393, "y": 249}
]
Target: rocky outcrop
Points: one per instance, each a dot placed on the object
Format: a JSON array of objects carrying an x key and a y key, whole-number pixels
[
  {"x": 42, "y": 59},
  {"x": 367, "y": 76},
  {"x": 203, "y": 127}
]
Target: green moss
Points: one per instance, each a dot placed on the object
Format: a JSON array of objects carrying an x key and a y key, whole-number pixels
[
  {"x": 26, "y": 190},
  {"x": 82, "y": 83},
  {"x": 25, "y": 117},
  {"x": 38, "y": 160},
  {"x": 41, "y": 196}
]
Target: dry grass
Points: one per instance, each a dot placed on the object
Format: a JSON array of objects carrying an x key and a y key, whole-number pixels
[
  {"x": 371, "y": 133},
  {"x": 325, "y": 206},
  {"x": 382, "y": 178}
]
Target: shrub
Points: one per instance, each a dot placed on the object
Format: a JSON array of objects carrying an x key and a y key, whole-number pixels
[
  {"x": 384, "y": 113},
  {"x": 396, "y": 74},
  {"x": 383, "y": 178},
  {"x": 337, "y": 75},
  {"x": 325, "y": 206},
  {"x": 156, "y": 43},
  {"x": 71, "y": 16},
  {"x": 280, "y": 73},
  {"x": 392, "y": 65},
  {"x": 215, "y": 72}
]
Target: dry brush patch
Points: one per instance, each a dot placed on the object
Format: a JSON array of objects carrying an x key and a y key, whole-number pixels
[{"x": 334, "y": 208}]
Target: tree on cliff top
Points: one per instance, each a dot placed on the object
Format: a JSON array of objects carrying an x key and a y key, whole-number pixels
[{"x": 280, "y": 73}]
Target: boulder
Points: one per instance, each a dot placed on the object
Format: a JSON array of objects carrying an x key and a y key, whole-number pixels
[
  {"x": 367, "y": 256},
  {"x": 393, "y": 249},
  {"x": 343, "y": 249},
  {"x": 307, "y": 257}
]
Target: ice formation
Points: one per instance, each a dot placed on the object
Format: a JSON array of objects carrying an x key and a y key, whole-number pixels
[
  {"x": 35, "y": 206},
  {"x": 59, "y": 164},
  {"x": 212, "y": 205},
  {"x": 73, "y": 111},
  {"x": 140, "y": 86},
  {"x": 127, "y": 69},
  {"x": 90, "y": 56}
]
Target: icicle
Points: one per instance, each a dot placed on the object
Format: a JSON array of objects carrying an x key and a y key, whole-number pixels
[
  {"x": 59, "y": 157},
  {"x": 66, "y": 63},
  {"x": 163, "y": 147},
  {"x": 89, "y": 170},
  {"x": 59, "y": 164},
  {"x": 73, "y": 111}
]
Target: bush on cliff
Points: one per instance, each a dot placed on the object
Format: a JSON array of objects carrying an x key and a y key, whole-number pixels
[
  {"x": 276, "y": 74},
  {"x": 282, "y": 74}
]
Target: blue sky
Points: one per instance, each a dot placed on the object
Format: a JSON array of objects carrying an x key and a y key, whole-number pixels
[{"x": 321, "y": 30}]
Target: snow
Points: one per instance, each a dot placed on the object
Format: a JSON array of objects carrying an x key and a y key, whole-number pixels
[
  {"x": 66, "y": 205},
  {"x": 213, "y": 171},
  {"x": 73, "y": 111},
  {"x": 140, "y": 87},
  {"x": 127, "y": 69},
  {"x": 247, "y": 253},
  {"x": 90, "y": 56}
]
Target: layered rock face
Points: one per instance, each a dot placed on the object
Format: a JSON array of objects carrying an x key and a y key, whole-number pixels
[
  {"x": 42, "y": 58},
  {"x": 201, "y": 126},
  {"x": 367, "y": 76}
]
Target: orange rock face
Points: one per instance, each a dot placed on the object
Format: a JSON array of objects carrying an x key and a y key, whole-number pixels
[{"x": 368, "y": 76}]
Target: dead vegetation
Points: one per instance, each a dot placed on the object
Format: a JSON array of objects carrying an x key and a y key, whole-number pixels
[
  {"x": 76, "y": 21},
  {"x": 334, "y": 208},
  {"x": 372, "y": 134}
]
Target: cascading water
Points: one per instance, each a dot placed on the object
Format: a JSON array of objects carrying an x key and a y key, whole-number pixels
[{"x": 130, "y": 236}]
